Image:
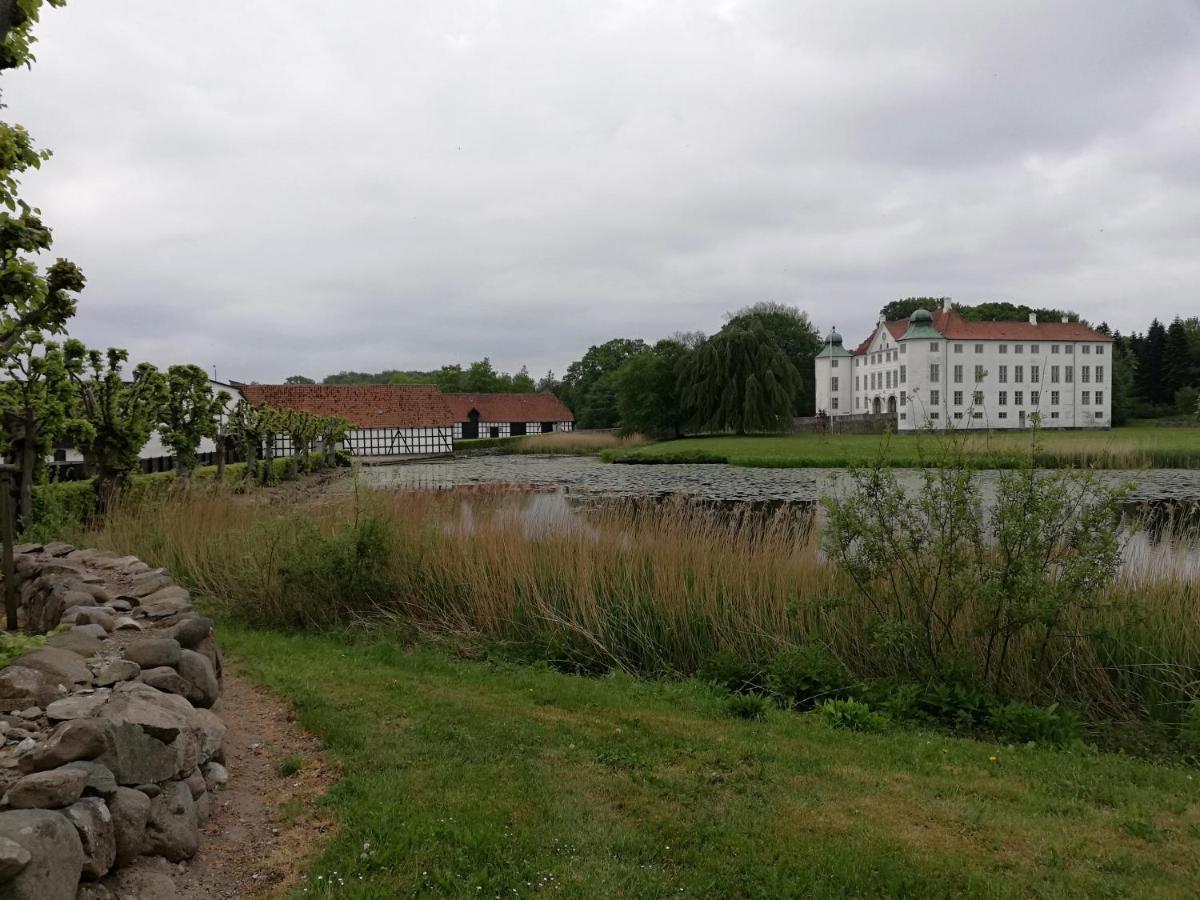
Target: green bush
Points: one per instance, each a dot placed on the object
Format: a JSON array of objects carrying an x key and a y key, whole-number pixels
[
  {"x": 61, "y": 508},
  {"x": 731, "y": 672},
  {"x": 803, "y": 677},
  {"x": 329, "y": 581},
  {"x": 752, "y": 707},
  {"x": 851, "y": 715},
  {"x": 1027, "y": 723}
]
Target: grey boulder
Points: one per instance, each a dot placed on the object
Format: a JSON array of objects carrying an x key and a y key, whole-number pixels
[
  {"x": 71, "y": 741},
  {"x": 173, "y": 830},
  {"x": 201, "y": 681},
  {"x": 47, "y": 790},
  {"x": 135, "y": 757},
  {"x": 22, "y": 686},
  {"x": 117, "y": 670},
  {"x": 94, "y": 824},
  {"x": 76, "y": 641},
  {"x": 164, "y": 678},
  {"x": 130, "y": 811},
  {"x": 59, "y": 664},
  {"x": 55, "y": 855},
  {"x": 100, "y": 780},
  {"x": 77, "y": 706},
  {"x": 150, "y": 653}
]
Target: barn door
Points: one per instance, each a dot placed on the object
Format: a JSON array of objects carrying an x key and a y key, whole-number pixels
[{"x": 470, "y": 427}]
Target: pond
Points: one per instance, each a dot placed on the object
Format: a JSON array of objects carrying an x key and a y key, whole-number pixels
[
  {"x": 555, "y": 489},
  {"x": 583, "y": 474}
]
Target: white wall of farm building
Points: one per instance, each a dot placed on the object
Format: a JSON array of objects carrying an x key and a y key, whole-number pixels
[{"x": 504, "y": 429}]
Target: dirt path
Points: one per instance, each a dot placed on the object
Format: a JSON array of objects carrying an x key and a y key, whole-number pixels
[{"x": 264, "y": 826}]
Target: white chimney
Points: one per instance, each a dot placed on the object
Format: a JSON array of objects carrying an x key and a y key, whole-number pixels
[
  {"x": 1033, "y": 318},
  {"x": 946, "y": 304},
  {"x": 1065, "y": 320}
]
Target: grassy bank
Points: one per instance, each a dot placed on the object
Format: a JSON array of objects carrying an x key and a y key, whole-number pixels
[
  {"x": 558, "y": 443},
  {"x": 1132, "y": 447},
  {"x": 649, "y": 590},
  {"x": 468, "y": 779}
]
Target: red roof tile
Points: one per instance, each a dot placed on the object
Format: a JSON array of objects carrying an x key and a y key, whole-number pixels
[
  {"x": 363, "y": 406},
  {"x": 509, "y": 407},
  {"x": 954, "y": 327}
]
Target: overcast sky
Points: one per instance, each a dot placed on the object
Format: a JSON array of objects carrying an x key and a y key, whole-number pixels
[{"x": 283, "y": 186}]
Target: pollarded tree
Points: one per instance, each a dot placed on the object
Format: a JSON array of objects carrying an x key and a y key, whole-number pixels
[
  {"x": 333, "y": 431},
  {"x": 740, "y": 380},
  {"x": 302, "y": 428},
  {"x": 190, "y": 413},
  {"x": 36, "y": 398},
  {"x": 248, "y": 425},
  {"x": 116, "y": 415}
]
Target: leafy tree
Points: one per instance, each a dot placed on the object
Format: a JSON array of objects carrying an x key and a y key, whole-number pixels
[
  {"x": 521, "y": 383},
  {"x": 190, "y": 412},
  {"x": 740, "y": 380},
  {"x": 1186, "y": 400},
  {"x": 449, "y": 379},
  {"x": 588, "y": 387},
  {"x": 117, "y": 416},
  {"x": 902, "y": 309},
  {"x": 789, "y": 327},
  {"x": 36, "y": 397},
  {"x": 649, "y": 396},
  {"x": 17, "y": 18},
  {"x": 332, "y": 432},
  {"x": 1151, "y": 352},
  {"x": 298, "y": 379},
  {"x": 249, "y": 425},
  {"x": 1124, "y": 377},
  {"x": 548, "y": 384},
  {"x": 480, "y": 378}
]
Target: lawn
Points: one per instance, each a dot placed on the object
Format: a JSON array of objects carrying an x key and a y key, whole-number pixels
[
  {"x": 1137, "y": 446},
  {"x": 473, "y": 779}
]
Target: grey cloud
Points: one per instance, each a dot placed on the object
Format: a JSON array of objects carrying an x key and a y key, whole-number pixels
[{"x": 273, "y": 188}]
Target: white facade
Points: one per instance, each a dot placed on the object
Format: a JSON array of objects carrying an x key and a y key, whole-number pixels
[{"x": 972, "y": 381}]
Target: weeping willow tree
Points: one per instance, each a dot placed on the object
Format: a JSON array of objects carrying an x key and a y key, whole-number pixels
[{"x": 740, "y": 380}]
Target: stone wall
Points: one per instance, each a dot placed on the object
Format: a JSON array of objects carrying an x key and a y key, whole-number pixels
[
  {"x": 867, "y": 423},
  {"x": 110, "y": 742}
]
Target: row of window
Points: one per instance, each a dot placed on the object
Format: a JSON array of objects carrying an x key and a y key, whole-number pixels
[
  {"x": 1066, "y": 373},
  {"x": 880, "y": 357},
  {"x": 979, "y": 415},
  {"x": 1018, "y": 398}
]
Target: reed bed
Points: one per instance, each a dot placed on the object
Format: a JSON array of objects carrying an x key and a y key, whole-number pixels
[{"x": 635, "y": 587}]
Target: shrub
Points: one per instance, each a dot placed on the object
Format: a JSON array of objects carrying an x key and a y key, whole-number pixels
[
  {"x": 731, "y": 672},
  {"x": 806, "y": 675},
  {"x": 956, "y": 585},
  {"x": 1026, "y": 723},
  {"x": 851, "y": 715},
  {"x": 330, "y": 580},
  {"x": 289, "y": 765},
  {"x": 752, "y": 707}
]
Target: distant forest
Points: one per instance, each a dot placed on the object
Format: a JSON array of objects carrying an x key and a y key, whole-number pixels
[{"x": 755, "y": 373}]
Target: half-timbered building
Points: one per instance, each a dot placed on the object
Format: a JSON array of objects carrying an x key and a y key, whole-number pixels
[
  {"x": 386, "y": 420},
  {"x": 507, "y": 415}
]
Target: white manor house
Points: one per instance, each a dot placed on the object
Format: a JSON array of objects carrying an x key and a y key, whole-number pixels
[{"x": 936, "y": 369}]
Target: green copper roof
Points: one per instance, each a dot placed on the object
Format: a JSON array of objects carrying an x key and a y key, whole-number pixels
[
  {"x": 920, "y": 325},
  {"x": 833, "y": 346}
]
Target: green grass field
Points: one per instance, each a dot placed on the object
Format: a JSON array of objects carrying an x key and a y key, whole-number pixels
[
  {"x": 1137, "y": 446},
  {"x": 472, "y": 779}
]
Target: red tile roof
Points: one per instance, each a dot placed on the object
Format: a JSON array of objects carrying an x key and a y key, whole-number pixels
[
  {"x": 954, "y": 327},
  {"x": 363, "y": 406},
  {"x": 509, "y": 407}
]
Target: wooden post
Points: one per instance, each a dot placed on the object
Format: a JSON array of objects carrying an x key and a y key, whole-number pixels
[{"x": 6, "y": 535}]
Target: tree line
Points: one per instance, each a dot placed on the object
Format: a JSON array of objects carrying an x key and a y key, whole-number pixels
[{"x": 480, "y": 377}]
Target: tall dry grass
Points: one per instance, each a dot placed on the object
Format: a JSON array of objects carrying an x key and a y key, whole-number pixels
[{"x": 649, "y": 589}]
